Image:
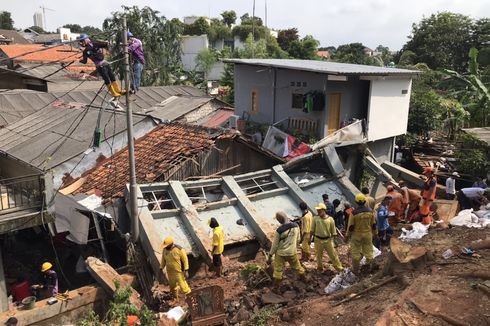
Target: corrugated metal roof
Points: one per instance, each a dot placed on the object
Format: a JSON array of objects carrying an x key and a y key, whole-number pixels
[
  {"x": 17, "y": 104},
  {"x": 35, "y": 138},
  {"x": 481, "y": 133},
  {"x": 176, "y": 106},
  {"x": 327, "y": 67},
  {"x": 15, "y": 36}
]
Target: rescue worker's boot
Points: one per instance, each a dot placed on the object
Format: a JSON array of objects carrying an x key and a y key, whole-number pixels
[
  {"x": 116, "y": 87},
  {"x": 276, "y": 283},
  {"x": 176, "y": 300},
  {"x": 355, "y": 267},
  {"x": 219, "y": 269},
  {"x": 113, "y": 91}
]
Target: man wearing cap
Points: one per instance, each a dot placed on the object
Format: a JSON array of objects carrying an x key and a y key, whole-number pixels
[
  {"x": 286, "y": 240},
  {"x": 361, "y": 228},
  {"x": 218, "y": 243},
  {"x": 135, "y": 49},
  {"x": 306, "y": 220},
  {"x": 370, "y": 201},
  {"x": 330, "y": 208},
  {"x": 451, "y": 186},
  {"x": 50, "y": 284},
  {"x": 174, "y": 258},
  {"x": 323, "y": 231}
]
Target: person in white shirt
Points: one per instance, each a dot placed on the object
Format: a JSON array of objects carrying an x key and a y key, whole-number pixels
[
  {"x": 451, "y": 186},
  {"x": 473, "y": 197}
]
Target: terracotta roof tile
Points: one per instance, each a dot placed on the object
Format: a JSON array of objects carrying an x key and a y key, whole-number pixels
[{"x": 155, "y": 152}]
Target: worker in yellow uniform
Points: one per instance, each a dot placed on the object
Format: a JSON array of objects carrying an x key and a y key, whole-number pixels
[
  {"x": 174, "y": 258},
  {"x": 306, "y": 220},
  {"x": 361, "y": 228},
  {"x": 286, "y": 240},
  {"x": 218, "y": 244},
  {"x": 323, "y": 230}
]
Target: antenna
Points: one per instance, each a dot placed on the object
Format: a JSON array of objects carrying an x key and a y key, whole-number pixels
[
  {"x": 265, "y": 13},
  {"x": 44, "y": 15}
]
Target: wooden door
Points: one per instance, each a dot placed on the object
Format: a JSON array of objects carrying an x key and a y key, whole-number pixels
[{"x": 333, "y": 113}]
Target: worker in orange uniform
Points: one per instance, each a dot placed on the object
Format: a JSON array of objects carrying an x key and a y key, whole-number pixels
[
  {"x": 396, "y": 205},
  {"x": 218, "y": 243},
  {"x": 174, "y": 258},
  {"x": 362, "y": 229},
  {"x": 323, "y": 230},
  {"x": 428, "y": 195},
  {"x": 306, "y": 220},
  {"x": 133, "y": 320}
]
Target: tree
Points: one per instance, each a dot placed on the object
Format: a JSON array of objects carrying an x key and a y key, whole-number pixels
[
  {"x": 161, "y": 40},
  {"x": 247, "y": 20},
  {"x": 287, "y": 36},
  {"x": 442, "y": 41},
  {"x": 229, "y": 17},
  {"x": 273, "y": 48},
  {"x": 74, "y": 28},
  {"x": 407, "y": 58},
  {"x": 6, "y": 21},
  {"x": 199, "y": 27},
  {"x": 228, "y": 81},
  {"x": 253, "y": 49},
  {"x": 90, "y": 30},
  {"x": 425, "y": 113},
  {"x": 218, "y": 31},
  {"x": 350, "y": 53},
  {"x": 306, "y": 48},
  {"x": 242, "y": 31},
  {"x": 37, "y": 29}
]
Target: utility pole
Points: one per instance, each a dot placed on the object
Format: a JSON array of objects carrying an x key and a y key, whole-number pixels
[
  {"x": 133, "y": 198},
  {"x": 253, "y": 30}
]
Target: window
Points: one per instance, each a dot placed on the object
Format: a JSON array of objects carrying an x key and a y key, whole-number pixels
[
  {"x": 258, "y": 184},
  {"x": 254, "y": 102},
  {"x": 159, "y": 200},
  {"x": 297, "y": 101}
]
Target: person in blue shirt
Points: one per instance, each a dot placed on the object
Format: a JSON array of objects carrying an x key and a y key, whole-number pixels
[
  {"x": 384, "y": 229},
  {"x": 330, "y": 207}
]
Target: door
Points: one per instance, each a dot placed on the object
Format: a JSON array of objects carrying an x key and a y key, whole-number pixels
[{"x": 333, "y": 113}]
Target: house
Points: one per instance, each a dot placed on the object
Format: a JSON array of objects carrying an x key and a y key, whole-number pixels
[
  {"x": 12, "y": 79},
  {"x": 273, "y": 91},
  {"x": 8, "y": 36},
  {"x": 323, "y": 54}
]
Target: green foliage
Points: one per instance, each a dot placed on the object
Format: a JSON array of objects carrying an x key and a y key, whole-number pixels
[
  {"x": 227, "y": 81},
  {"x": 242, "y": 31},
  {"x": 442, "y": 40},
  {"x": 425, "y": 113},
  {"x": 38, "y": 29},
  {"x": 407, "y": 58},
  {"x": 473, "y": 162},
  {"x": 90, "y": 320},
  {"x": 248, "y": 271},
  {"x": 161, "y": 40},
  {"x": 306, "y": 48},
  {"x": 246, "y": 19},
  {"x": 199, "y": 27},
  {"x": 355, "y": 53},
  {"x": 229, "y": 17},
  {"x": 218, "y": 31},
  {"x": 470, "y": 140},
  {"x": 206, "y": 59},
  {"x": 90, "y": 30},
  {"x": 265, "y": 315},
  {"x": 287, "y": 36},
  {"x": 407, "y": 140},
  {"x": 6, "y": 21},
  {"x": 273, "y": 48},
  {"x": 253, "y": 49}
]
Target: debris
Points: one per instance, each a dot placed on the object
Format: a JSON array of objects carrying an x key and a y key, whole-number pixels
[
  {"x": 241, "y": 315},
  {"x": 480, "y": 244},
  {"x": 374, "y": 287},
  {"x": 446, "y": 318},
  {"x": 484, "y": 289},
  {"x": 272, "y": 298},
  {"x": 405, "y": 253},
  {"x": 467, "y": 251},
  {"x": 176, "y": 313},
  {"x": 474, "y": 274},
  {"x": 376, "y": 253},
  {"x": 467, "y": 218},
  {"x": 447, "y": 254},
  {"x": 417, "y": 232},
  {"x": 343, "y": 280}
]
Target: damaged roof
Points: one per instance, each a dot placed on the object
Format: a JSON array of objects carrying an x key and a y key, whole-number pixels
[
  {"x": 328, "y": 67},
  {"x": 159, "y": 151},
  {"x": 13, "y": 36},
  {"x": 61, "y": 53}
]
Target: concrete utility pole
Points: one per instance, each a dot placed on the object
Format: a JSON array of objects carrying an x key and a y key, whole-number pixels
[{"x": 133, "y": 197}]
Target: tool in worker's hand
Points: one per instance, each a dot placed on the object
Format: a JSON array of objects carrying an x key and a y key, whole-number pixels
[{"x": 269, "y": 269}]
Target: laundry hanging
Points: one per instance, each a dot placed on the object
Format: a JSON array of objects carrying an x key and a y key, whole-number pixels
[{"x": 313, "y": 101}]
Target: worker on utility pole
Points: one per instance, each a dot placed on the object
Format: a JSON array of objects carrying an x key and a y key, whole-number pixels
[
  {"x": 306, "y": 220},
  {"x": 362, "y": 229},
  {"x": 218, "y": 243},
  {"x": 135, "y": 49},
  {"x": 174, "y": 258},
  {"x": 94, "y": 51},
  {"x": 286, "y": 240},
  {"x": 323, "y": 230}
]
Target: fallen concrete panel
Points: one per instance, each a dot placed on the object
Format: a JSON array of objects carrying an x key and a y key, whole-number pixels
[{"x": 106, "y": 276}]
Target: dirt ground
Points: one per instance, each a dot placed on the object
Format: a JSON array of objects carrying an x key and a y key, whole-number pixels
[{"x": 429, "y": 295}]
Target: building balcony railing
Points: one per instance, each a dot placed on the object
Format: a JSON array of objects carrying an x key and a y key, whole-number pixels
[{"x": 21, "y": 193}]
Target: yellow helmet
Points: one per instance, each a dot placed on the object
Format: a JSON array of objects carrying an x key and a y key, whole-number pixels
[
  {"x": 167, "y": 242},
  {"x": 321, "y": 206},
  {"x": 46, "y": 266},
  {"x": 360, "y": 198}
]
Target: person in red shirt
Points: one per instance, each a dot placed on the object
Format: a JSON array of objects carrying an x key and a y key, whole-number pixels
[{"x": 21, "y": 289}]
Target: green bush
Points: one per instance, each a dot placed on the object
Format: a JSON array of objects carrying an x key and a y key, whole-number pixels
[{"x": 473, "y": 162}]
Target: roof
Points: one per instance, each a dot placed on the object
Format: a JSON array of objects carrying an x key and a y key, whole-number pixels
[
  {"x": 218, "y": 119},
  {"x": 156, "y": 152},
  {"x": 40, "y": 139},
  {"x": 176, "y": 107},
  {"x": 328, "y": 67},
  {"x": 482, "y": 134},
  {"x": 55, "y": 72},
  {"x": 15, "y": 36},
  {"x": 62, "y": 53},
  {"x": 18, "y": 73},
  {"x": 46, "y": 38},
  {"x": 17, "y": 104}
]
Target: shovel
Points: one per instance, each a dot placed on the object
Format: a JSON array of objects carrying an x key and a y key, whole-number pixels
[{"x": 269, "y": 269}]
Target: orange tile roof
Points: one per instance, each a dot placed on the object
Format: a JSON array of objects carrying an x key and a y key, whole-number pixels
[
  {"x": 155, "y": 153},
  {"x": 62, "y": 53}
]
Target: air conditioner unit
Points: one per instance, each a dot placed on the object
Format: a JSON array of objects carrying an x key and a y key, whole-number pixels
[{"x": 233, "y": 121}]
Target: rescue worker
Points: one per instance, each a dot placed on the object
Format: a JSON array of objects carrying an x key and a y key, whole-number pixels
[
  {"x": 361, "y": 228},
  {"x": 330, "y": 208},
  {"x": 405, "y": 199},
  {"x": 323, "y": 230},
  {"x": 286, "y": 240},
  {"x": 473, "y": 197},
  {"x": 306, "y": 220},
  {"x": 370, "y": 201},
  {"x": 174, "y": 258},
  {"x": 339, "y": 215},
  {"x": 413, "y": 202},
  {"x": 428, "y": 195},
  {"x": 395, "y": 205},
  {"x": 50, "y": 284},
  {"x": 451, "y": 185},
  {"x": 218, "y": 243},
  {"x": 135, "y": 49},
  {"x": 384, "y": 229},
  {"x": 94, "y": 51}
]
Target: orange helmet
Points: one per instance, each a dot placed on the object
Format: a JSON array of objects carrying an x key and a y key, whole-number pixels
[{"x": 428, "y": 169}]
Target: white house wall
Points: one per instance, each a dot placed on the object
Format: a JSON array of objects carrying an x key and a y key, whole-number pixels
[
  {"x": 191, "y": 46},
  {"x": 388, "y": 108}
]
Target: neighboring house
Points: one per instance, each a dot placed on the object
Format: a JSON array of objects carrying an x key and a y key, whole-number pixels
[
  {"x": 323, "y": 54},
  {"x": 8, "y": 36},
  {"x": 273, "y": 91},
  {"x": 12, "y": 79},
  {"x": 62, "y": 35}
]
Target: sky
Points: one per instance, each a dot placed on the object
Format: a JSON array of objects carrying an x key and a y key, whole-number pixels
[{"x": 332, "y": 22}]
